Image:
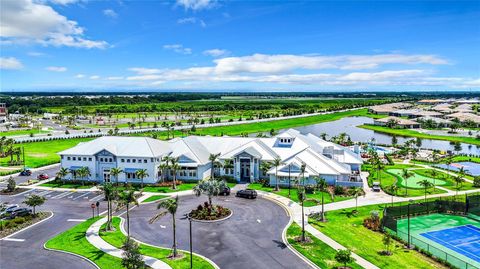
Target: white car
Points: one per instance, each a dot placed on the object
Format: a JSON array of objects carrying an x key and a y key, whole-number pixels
[{"x": 376, "y": 187}]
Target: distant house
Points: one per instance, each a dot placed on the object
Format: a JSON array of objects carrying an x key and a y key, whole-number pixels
[
  {"x": 50, "y": 116},
  {"x": 385, "y": 109},
  {"x": 462, "y": 117},
  {"x": 430, "y": 101},
  {"x": 415, "y": 113},
  {"x": 438, "y": 121},
  {"x": 397, "y": 122}
]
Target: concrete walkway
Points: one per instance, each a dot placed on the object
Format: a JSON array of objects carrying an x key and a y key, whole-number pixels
[{"x": 94, "y": 238}]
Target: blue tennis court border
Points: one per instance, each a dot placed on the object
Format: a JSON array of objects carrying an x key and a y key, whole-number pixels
[{"x": 446, "y": 236}]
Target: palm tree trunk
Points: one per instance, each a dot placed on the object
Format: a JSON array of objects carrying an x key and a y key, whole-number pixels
[
  {"x": 174, "y": 237},
  {"x": 303, "y": 224},
  {"x": 276, "y": 179},
  {"x": 174, "y": 180},
  {"x": 128, "y": 224},
  {"x": 142, "y": 182},
  {"x": 323, "y": 209}
]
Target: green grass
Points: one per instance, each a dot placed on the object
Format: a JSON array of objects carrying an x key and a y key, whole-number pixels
[
  {"x": 67, "y": 185},
  {"x": 293, "y": 194},
  {"x": 44, "y": 153},
  {"x": 411, "y": 133},
  {"x": 116, "y": 238},
  {"x": 22, "y": 132},
  {"x": 347, "y": 229},
  {"x": 74, "y": 240},
  {"x": 318, "y": 252},
  {"x": 154, "y": 198},
  {"x": 450, "y": 183}
]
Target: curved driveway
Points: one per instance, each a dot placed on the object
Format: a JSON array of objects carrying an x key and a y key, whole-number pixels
[{"x": 251, "y": 238}]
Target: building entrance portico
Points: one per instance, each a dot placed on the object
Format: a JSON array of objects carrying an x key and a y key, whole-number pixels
[
  {"x": 245, "y": 169},
  {"x": 106, "y": 175}
]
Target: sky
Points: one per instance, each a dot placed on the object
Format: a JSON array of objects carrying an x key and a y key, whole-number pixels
[{"x": 208, "y": 45}]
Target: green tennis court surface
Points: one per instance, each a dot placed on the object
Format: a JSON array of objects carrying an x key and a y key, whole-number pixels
[
  {"x": 436, "y": 234},
  {"x": 414, "y": 179}
]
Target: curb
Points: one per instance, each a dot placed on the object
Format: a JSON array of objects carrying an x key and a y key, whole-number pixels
[
  {"x": 28, "y": 227},
  {"x": 214, "y": 221},
  {"x": 122, "y": 228},
  {"x": 70, "y": 253},
  {"x": 284, "y": 233}
]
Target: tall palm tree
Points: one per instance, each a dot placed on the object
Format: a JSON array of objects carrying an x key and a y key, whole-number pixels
[
  {"x": 163, "y": 167},
  {"x": 379, "y": 167},
  {"x": 458, "y": 181},
  {"x": 393, "y": 190},
  {"x": 141, "y": 174},
  {"x": 170, "y": 206},
  {"x": 265, "y": 166},
  {"x": 83, "y": 173},
  {"x": 115, "y": 172},
  {"x": 277, "y": 162},
  {"x": 62, "y": 173},
  {"x": 302, "y": 196},
  {"x": 126, "y": 198},
  {"x": 448, "y": 161},
  {"x": 425, "y": 184},
  {"x": 174, "y": 167},
  {"x": 166, "y": 165},
  {"x": 406, "y": 175},
  {"x": 434, "y": 174},
  {"x": 302, "y": 172},
  {"x": 213, "y": 162},
  {"x": 109, "y": 192},
  {"x": 322, "y": 185},
  {"x": 227, "y": 164},
  {"x": 355, "y": 192}
]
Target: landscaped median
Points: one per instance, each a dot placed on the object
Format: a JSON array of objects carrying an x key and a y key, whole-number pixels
[{"x": 74, "y": 241}]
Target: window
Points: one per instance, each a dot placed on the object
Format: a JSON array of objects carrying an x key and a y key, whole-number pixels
[
  {"x": 89, "y": 159},
  {"x": 84, "y": 159},
  {"x": 101, "y": 159},
  {"x": 122, "y": 160},
  {"x": 145, "y": 161},
  {"x": 110, "y": 160},
  {"x": 134, "y": 160},
  {"x": 68, "y": 158},
  {"x": 128, "y": 160},
  {"x": 140, "y": 160},
  {"x": 74, "y": 158}
]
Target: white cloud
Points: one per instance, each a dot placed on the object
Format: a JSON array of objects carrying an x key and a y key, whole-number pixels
[
  {"x": 56, "y": 68},
  {"x": 192, "y": 20},
  {"x": 24, "y": 21},
  {"x": 216, "y": 52},
  {"x": 36, "y": 54},
  {"x": 110, "y": 13},
  {"x": 79, "y": 75},
  {"x": 10, "y": 63},
  {"x": 178, "y": 48},
  {"x": 114, "y": 78},
  {"x": 196, "y": 4},
  {"x": 94, "y": 77},
  {"x": 63, "y": 2}
]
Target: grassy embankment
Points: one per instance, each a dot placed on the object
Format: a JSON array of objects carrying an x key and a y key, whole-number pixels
[
  {"x": 348, "y": 230},
  {"x": 116, "y": 238},
  {"x": 294, "y": 196},
  {"x": 22, "y": 132},
  {"x": 411, "y": 133}
]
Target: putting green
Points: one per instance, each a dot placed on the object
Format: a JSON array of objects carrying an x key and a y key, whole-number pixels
[{"x": 414, "y": 179}]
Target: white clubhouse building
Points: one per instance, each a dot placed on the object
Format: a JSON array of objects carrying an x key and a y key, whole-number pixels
[{"x": 336, "y": 164}]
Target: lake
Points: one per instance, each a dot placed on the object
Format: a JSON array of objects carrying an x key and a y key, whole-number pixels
[{"x": 349, "y": 125}]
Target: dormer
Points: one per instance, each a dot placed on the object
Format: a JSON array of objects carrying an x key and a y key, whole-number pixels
[{"x": 284, "y": 140}]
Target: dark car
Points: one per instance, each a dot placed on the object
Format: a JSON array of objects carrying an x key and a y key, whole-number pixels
[
  {"x": 376, "y": 186},
  {"x": 8, "y": 210},
  {"x": 42, "y": 176},
  {"x": 20, "y": 212},
  {"x": 26, "y": 173},
  {"x": 225, "y": 191},
  {"x": 248, "y": 193}
]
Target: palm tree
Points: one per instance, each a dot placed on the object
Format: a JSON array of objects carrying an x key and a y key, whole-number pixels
[
  {"x": 141, "y": 174},
  {"x": 209, "y": 187},
  {"x": 265, "y": 166},
  {"x": 302, "y": 172},
  {"x": 393, "y": 190},
  {"x": 322, "y": 187},
  {"x": 126, "y": 198},
  {"x": 227, "y": 164},
  {"x": 163, "y": 167},
  {"x": 62, "y": 173},
  {"x": 448, "y": 161},
  {"x": 174, "y": 166},
  {"x": 170, "y": 206},
  {"x": 83, "y": 172},
  {"x": 109, "y": 191},
  {"x": 355, "y": 192},
  {"x": 115, "y": 172},
  {"x": 379, "y": 166},
  {"x": 458, "y": 181},
  {"x": 434, "y": 174},
  {"x": 302, "y": 196},
  {"x": 406, "y": 175},
  {"x": 425, "y": 184},
  {"x": 213, "y": 161},
  {"x": 276, "y": 162}
]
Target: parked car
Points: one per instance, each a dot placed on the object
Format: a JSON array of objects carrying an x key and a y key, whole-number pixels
[
  {"x": 376, "y": 187},
  {"x": 8, "y": 209},
  {"x": 42, "y": 176},
  {"x": 225, "y": 191},
  {"x": 20, "y": 212},
  {"x": 26, "y": 173},
  {"x": 248, "y": 193}
]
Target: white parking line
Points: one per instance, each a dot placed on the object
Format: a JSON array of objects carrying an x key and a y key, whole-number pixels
[
  {"x": 61, "y": 195},
  {"x": 85, "y": 194},
  {"x": 44, "y": 193},
  {"x": 77, "y": 220},
  {"x": 97, "y": 198},
  {"x": 13, "y": 239}
]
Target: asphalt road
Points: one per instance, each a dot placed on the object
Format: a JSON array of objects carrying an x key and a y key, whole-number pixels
[
  {"x": 30, "y": 253},
  {"x": 20, "y": 179},
  {"x": 251, "y": 238}
]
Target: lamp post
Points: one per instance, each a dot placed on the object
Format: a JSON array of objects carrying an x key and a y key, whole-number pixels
[
  {"x": 189, "y": 218},
  {"x": 408, "y": 223},
  {"x": 289, "y": 165}
]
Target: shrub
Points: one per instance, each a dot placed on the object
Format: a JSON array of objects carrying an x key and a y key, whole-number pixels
[
  {"x": 339, "y": 190},
  {"x": 476, "y": 182},
  {"x": 11, "y": 184},
  {"x": 372, "y": 222}
]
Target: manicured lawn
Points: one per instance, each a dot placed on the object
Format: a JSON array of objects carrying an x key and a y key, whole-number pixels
[
  {"x": 116, "y": 238},
  {"x": 318, "y": 252},
  {"x": 22, "y": 132},
  {"x": 44, "y": 153},
  {"x": 293, "y": 194},
  {"x": 154, "y": 198},
  {"x": 67, "y": 185},
  {"x": 74, "y": 240},
  {"x": 410, "y": 133},
  {"x": 450, "y": 183},
  {"x": 348, "y": 230}
]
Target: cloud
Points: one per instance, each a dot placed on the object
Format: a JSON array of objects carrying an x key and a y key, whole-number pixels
[
  {"x": 36, "y": 54},
  {"x": 79, "y": 75},
  {"x": 63, "y": 2},
  {"x": 56, "y": 68},
  {"x": 25, "y": 21},
  {"x": 10, "y": 63},
  {"x": 178, "y": 48},
  {"x": 192, "y": 20},
  {"x": 216, "y": 52},
  {"x": 110, "y": 13},
  {"x": 94, "y": 77},
  {"x": 196, "y": 4},
  {"x": 114, "y": 78}
]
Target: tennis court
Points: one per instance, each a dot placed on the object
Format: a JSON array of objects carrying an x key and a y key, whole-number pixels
[{"x": 450, "y": 237}]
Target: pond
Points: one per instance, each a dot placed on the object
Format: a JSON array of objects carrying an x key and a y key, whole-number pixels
[{"x": 349, "y": 125}]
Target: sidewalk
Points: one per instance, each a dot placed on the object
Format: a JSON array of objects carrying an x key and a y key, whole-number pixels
[{"x": 94, "y": 238}]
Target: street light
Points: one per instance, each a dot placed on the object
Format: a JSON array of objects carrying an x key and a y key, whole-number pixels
[
  {"x": 408, "y": 223},
  {"x": 189, "y": 218},
  {"x": 289, "y": 165}
]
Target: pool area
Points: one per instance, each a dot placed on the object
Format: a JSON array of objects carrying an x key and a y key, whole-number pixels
[{"x": 470, "y": 167}]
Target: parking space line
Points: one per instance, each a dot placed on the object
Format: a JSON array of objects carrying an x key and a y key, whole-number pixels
[
  {"x": 96, "y": 198},
  {"x": 85, "y": 194},
  {"x": 77, "y": 220},
  {"x": 61, "y": 195},
  {"x": 13, "y": 239},
  {"x": 44, "y": 193}
]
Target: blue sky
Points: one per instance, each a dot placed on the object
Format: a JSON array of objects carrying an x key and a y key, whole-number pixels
[{"x": 239, "y": 45}]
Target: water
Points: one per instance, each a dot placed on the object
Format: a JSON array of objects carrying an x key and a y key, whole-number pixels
[{"x": 349, "y": 125}]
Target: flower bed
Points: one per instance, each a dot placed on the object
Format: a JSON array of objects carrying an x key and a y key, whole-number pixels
[{"x": 209, "y": 212}]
